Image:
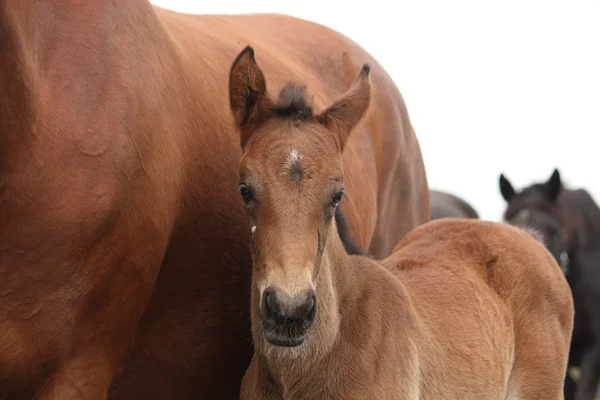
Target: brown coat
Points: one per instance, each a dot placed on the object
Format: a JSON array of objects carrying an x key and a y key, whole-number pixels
[
  {"x": 124, "y": 251},
  {"x": 462, "y": 309}
]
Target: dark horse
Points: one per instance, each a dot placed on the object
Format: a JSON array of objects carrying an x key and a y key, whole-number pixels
[
  {"x": 569, "y": 221},
  {"x": 446, "y": 205}
]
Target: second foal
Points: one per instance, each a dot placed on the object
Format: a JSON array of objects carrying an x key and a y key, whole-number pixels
[{"x": 461, "y": 310}]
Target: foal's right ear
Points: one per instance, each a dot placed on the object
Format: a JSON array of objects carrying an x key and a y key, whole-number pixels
[
  {"x": 343, "y": 115},
  {"x": 248, "y": 97},
  {"x": 507, "y": 190}
]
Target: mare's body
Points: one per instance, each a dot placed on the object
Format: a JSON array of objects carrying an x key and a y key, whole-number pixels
[
  {"x": 446, "y": 205},
  {"x": 124, "y": 249},
  {"x": 569, "y": 221}
]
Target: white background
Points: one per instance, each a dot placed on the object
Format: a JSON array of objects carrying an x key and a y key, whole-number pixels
[{"x": 491, "y": 86}]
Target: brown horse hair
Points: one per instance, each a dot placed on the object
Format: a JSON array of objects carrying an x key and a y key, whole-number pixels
[
  {"x": 293, "y": 103},
  {"x": 157, "y": 303},
  {"x": 328, "y": 325}
]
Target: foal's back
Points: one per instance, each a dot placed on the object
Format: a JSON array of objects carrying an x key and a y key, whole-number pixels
[{"x": 492, "y": 310}]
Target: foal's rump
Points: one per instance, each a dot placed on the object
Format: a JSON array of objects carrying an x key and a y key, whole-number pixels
[{"x": 495, "y": 309}]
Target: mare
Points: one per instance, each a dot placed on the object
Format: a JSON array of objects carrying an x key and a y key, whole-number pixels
[
  {"x": 446, "y": 205},
  {"x": 462, "y": 309},
  {"x": 125, "y": 262},
  {"x": 569, "y": 221}
]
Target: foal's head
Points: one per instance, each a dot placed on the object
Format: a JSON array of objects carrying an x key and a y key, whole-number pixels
[{"x": 291, "y": 181}]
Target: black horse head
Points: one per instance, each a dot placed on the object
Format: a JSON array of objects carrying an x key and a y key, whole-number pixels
[{"x": 536, "y": 206}]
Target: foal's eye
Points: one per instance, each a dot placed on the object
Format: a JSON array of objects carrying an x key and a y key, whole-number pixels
[
  {"x": 246, "y": 193},
  {"x": 337, "y": 198}
]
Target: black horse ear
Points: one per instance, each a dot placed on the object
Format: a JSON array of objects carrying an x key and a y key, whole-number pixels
[
  {"x": 554, "y": 186},
  {"x": 506, "y": 189}
]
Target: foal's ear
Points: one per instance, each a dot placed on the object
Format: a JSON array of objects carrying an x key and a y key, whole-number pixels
[
  {"x": 248, "y": 97},
  {"x": 506, "y": 188},
  {"x": 554, "y": 185},
  {"x": 343, "y": 115}
]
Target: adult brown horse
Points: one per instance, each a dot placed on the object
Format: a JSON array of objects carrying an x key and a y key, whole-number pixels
[
  {"x": 462, "y": 309},
  {"x": 446, "y": 205},
  {"x": 124, "y": 255}
]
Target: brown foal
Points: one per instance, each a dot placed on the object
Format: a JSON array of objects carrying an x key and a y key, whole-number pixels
[{"x": 461, "y": 310}]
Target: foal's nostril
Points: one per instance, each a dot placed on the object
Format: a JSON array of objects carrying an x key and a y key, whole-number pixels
[
  {"x": 298, "y": 309},
  {"x": 273, "y": 303},
  {"x": 306, "y": 312},
  {"x": 269, "y": 306}
]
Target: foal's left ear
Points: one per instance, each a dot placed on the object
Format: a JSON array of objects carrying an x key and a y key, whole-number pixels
[
  {"x": 248, "y": 97},
  {"x": 345, "y": 113}
]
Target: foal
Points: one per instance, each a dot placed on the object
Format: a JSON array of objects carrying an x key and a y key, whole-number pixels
[{"x": 461, "y": 310}]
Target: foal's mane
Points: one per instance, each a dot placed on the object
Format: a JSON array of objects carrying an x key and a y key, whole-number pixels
[{"x": 293, "y": 103}]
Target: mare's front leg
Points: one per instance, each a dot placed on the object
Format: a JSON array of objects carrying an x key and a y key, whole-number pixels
[{"x": 590, "y": 374}]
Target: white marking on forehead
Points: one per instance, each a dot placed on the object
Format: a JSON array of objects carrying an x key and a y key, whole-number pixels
[
  {"x": 294, "y": 159},
  {"x": 293, "y": 164},
  {"x": 253, "y": 229}
]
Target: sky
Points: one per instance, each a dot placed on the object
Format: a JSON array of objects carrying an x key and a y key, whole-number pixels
[{"x": 490, "y": 86}]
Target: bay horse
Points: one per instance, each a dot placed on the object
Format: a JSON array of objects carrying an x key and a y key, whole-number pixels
[
  {"x": 569, "y": 221},
  {"x": 462, "y": 309},
  {"x": 446, "y": 205},
  {"x": 125, "y": 263}
]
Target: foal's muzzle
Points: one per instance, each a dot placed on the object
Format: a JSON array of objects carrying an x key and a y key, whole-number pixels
[{"x": 287, "y": 317}]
